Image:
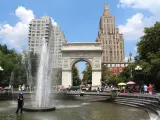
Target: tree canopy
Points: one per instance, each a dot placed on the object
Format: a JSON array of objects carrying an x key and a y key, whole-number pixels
[
  {"x": 149, "y": 54},
  {"x": 87, "y": 75},
  {"x": 148, "y": 58},
  {"x": 10, "y": 61},
  {"x": 75, "y": 76}
]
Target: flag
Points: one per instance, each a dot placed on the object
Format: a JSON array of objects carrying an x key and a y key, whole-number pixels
[{"x": 130, "y": 54}]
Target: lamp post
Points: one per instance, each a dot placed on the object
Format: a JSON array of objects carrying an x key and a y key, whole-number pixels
[
  {"x": 138, "y": 69},
  {"x": 130, "y": 61}
]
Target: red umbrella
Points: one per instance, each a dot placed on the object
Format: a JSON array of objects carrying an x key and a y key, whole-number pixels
[
  {"x": 131, "y": 83},
  {"x": 1, "y": 87}
]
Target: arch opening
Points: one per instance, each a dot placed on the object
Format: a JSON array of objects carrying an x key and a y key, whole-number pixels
[{"x": 81, "y": 73}]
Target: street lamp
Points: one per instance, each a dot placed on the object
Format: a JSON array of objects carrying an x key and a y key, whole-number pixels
[
  {"x": 1, "y": 69},
  {"x": 138, "y": 69}
]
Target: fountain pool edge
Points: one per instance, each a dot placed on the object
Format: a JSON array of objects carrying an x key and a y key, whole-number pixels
[{"x": 32, "y": 109}]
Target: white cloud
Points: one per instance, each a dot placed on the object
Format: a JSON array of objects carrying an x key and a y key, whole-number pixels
[
  {"x": 24, "y": 15},
  {"x": 17, "y": 36},
  {"x": 126, "y": 59},
  {"x": 135, "y": 48},
  {"x": 53, "y": 22},
  {"x": 134, "y": 27}
]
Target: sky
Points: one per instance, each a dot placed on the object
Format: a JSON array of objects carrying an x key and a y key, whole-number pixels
[{"x": 79, "y": 19}]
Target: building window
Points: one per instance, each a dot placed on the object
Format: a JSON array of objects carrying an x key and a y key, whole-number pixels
[
  {"x": 110, "y": 69},
  {"x": 120, "y": 69},
  {"x": 115, "y": 69}
]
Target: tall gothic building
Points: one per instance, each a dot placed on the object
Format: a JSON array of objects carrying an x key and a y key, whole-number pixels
[{"x": 112, "y": 41}]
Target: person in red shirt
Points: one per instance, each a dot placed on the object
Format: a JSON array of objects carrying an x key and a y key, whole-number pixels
[{"x": 150, "y": 89}]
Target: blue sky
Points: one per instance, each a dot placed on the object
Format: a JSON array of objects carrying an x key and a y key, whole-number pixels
[{"x": 79, "y": 19}]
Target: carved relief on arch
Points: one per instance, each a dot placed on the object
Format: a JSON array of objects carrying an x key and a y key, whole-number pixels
[
  {"x": 97, "y": 63},
  {"x": 65, "y": 63}
]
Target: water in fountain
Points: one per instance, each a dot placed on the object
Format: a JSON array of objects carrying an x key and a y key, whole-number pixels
[
  {"x": 28, "y": 70},
  {"x": 11, "y": 78},
  {"x": 26, "y": 62},
  {"x": 43, "y": 87}
]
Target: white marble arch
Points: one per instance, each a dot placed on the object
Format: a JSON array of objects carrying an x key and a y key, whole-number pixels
[{"x": 85, "y": 51}]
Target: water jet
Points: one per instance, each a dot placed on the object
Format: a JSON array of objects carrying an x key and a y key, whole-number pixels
[{"x": 43, "y": 83}]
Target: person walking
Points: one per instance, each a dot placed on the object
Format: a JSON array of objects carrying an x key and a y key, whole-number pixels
[{"x": 20, "y": 101}]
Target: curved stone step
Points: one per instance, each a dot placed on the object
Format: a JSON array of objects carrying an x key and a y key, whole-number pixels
[
  {"x": 155, "y": 99},
  {"x": 146, "y": 100},
  {"x": 138, "y": 102},
  {"x": 141, "y": 106}
]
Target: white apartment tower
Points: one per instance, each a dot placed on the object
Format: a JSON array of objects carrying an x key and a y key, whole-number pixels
[
  {"x": 58, "y": 38},
  {"x": 112, "y": 41},
  {"x": 43, "y": 29},
  {"x": 39, "y": 29}
]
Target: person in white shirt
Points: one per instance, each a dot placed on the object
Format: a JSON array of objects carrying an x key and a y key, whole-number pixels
[{"x": 145, "y": 88}]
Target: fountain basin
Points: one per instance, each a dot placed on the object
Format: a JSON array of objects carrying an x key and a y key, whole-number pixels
[{"x": 36, "y": 109}]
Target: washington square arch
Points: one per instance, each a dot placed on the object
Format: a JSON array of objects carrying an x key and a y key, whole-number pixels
[{"x": 75, "y": 52}]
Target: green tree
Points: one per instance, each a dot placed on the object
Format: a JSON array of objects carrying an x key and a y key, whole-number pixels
[
  {"x": 87, "y": 74},
  {"x": 149, "y": 54},
  {"x": 108, "y": 77},
  {"x": 75, "y": 77},
  {"x": 125, "y": 76},
  {"x": 104, "y": 73},
  {"x": 113, "y": 79},
  {"x": 9, "y": 60}
]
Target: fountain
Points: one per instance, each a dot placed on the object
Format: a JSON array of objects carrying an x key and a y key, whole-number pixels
[{"x": 43, "y": 87}]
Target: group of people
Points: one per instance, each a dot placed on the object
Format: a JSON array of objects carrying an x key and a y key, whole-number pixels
[
  {"x": 26, "y": 88},
  {"x": 151, "y": 89},
  {"x": 21, "y": 87}
]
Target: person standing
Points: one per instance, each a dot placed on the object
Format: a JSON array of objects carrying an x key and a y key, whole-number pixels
[
  {"x": 20, "y": 102},
  {"x": 19, "y": 88},
  {"x": 153, "y": 90},
  {"x": 145, "y": 88},
  {"x": 23, "y": 87},
  {"x": 142, "y": 89},
  {"x": 150, "y": 89}
]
